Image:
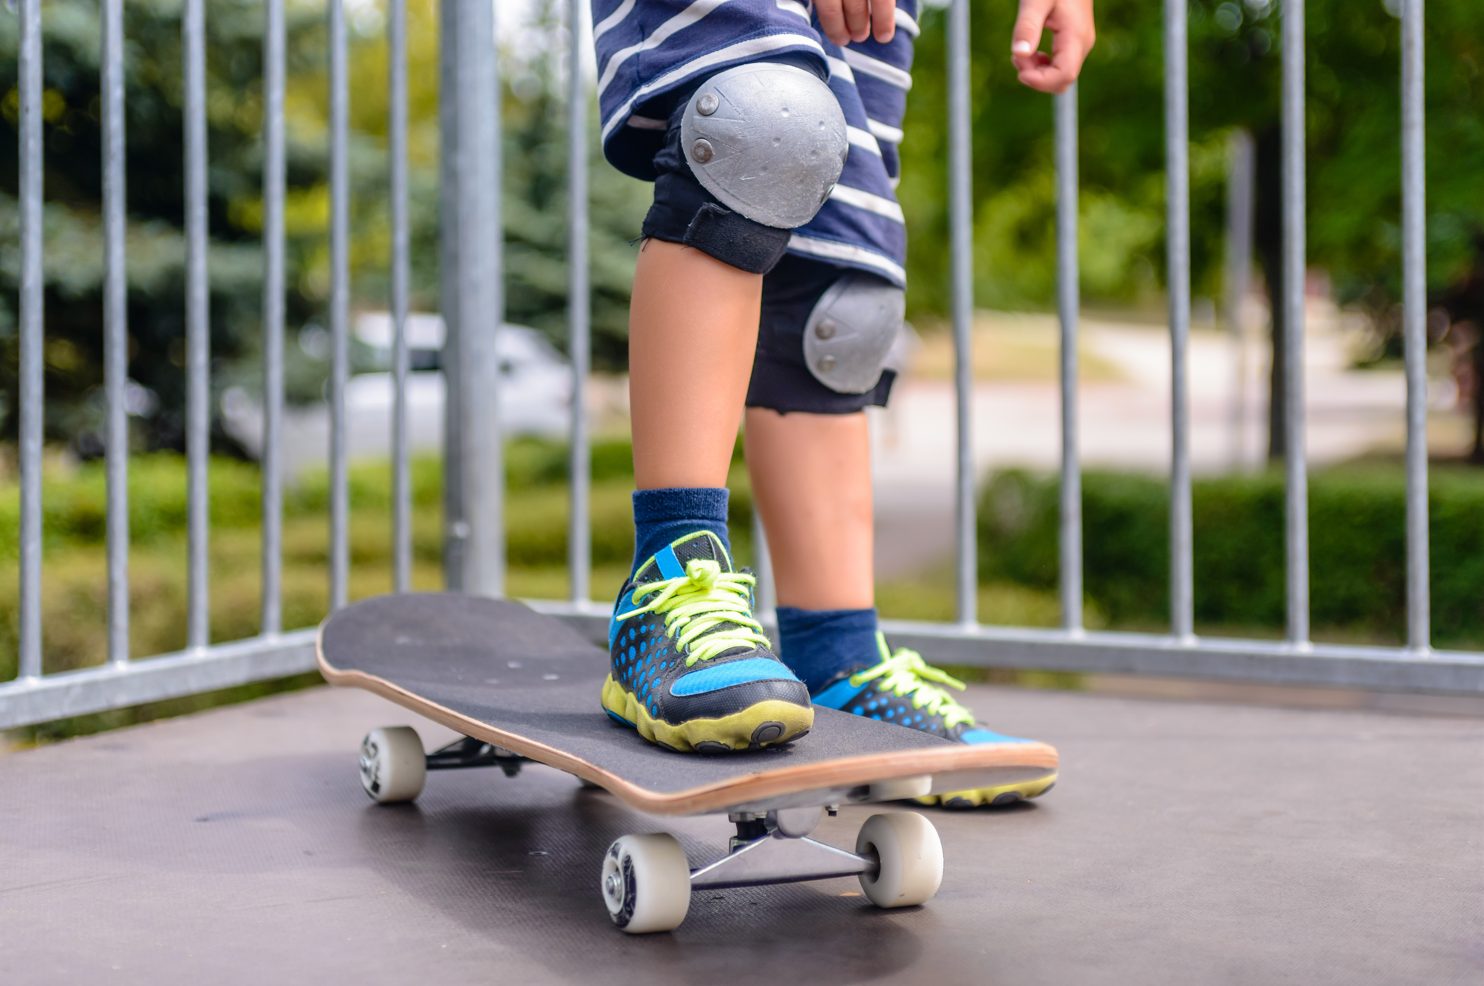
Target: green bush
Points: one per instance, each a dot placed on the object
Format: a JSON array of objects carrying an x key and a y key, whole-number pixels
[{"x": 1357, "y": 548}]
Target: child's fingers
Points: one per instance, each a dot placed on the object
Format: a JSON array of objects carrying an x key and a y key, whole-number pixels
[
  {"x": 1069, "y": 52},
  {"x": 858, "y": 19},
  {"x": 844, "y": 21},
  {"x": 1039, "y": 72},
  {"x": 1045, "y": 78},
  {"x": 1072, "y": 39},
  {"x": 1026, "y": 37},
  {"x": 883, "y": 19},
  {"x": 832, "y": 20}
]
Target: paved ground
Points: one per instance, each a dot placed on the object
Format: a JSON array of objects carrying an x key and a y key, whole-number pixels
[{"x": 1186, "y": 843}]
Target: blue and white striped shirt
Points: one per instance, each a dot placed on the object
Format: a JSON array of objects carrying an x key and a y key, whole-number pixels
[{"x": 653, "y": 53}]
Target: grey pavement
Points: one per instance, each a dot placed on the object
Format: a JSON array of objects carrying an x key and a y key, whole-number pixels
[{"x": 1186, "y": 843}]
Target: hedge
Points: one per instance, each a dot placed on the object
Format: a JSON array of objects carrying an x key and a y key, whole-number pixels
[{"x": 1357, "y": 549}]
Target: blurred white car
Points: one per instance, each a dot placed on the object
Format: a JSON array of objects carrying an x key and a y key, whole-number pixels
[{"x": 534, "y": 390}]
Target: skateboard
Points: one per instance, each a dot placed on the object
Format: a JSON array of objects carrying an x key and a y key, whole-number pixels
[{"x": 522, "y": 687}]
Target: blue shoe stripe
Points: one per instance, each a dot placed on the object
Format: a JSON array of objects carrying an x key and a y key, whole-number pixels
[
  {"x": 838, "y": 695},
  {"x": 988, "y": 736},
  {"x": 619, "y": 719},
  {"x": 625, "y": 603},
  {"x": 670, "y": 566},
  {"x": 718, "y": 676}
]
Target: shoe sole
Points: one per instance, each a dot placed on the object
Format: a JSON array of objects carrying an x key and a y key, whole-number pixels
[
  {"x": 768, "y": 723},
  {"x": 993, "y": 797}
]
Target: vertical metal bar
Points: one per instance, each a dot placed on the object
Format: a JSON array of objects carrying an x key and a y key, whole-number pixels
[
  {"x": 579, "y": 548},
  {"x": 1177, "y": 177},
  {"x": 273, "y": 316},
  {"x": 961, "y": 209},
  {"x": 1237, "y": 281},
  {"x": 1068, "y": 303},
  {"x": 1414, "y": 326},
  {"x": 1294, "y": 252},
  {"x": 397, "y": 127},
  {"x": 339, "y": 309},
  {"x": 455, "y": 529},
  {"x": 31, "y": 381},
  {"x": 115, "y": 330},
  {"x": 473, "y": 299},
  {"x": 766, "y": 599},
  {"x": 198, "y": 329}
]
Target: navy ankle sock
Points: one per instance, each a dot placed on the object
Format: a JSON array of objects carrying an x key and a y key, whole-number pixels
[
  {"x": 819, "y": 645},
  {"x": 662, "y": 516}
]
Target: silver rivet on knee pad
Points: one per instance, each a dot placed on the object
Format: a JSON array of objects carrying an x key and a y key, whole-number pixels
[
  {"x": 707, "y": 103},
  {"x": 826, "y": 364},
  {"x": 825, "y": 329},
  {"x": 702, "y": 151}
]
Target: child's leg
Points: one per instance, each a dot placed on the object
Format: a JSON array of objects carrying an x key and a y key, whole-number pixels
[
  {"x": 811, "y": 480},
  {"x": 749, "y": 157},
  {"x": 826, "y": 337},
  {"x": 692, "y": 333}
]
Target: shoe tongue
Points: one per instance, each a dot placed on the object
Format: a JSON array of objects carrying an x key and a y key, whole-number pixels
[{"x": 703, "y": 545}]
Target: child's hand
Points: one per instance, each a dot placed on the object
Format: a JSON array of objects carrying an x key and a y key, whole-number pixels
[
  {"x": 845, "y": 21},
  {"x": 1072, "y": 34}
]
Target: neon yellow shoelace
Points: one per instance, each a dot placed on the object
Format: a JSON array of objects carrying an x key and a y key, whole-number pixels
[
  {"x": 706, "y": 610},
  {"x": 906, "y": 674}
]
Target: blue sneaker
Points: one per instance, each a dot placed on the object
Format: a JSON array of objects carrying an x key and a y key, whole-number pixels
[
  {"x": 904, "y": 689},
  {"x": 692, "y": 670}
]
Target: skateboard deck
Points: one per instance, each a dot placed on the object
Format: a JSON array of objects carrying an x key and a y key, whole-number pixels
[{"x": 498, "y": 672}]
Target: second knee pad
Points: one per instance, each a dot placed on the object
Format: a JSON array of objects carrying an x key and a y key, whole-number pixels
[
  {"x": 851, "y": 332},
  {"x": 768, "y": 140},
  {"x": 829, "y": 342}
]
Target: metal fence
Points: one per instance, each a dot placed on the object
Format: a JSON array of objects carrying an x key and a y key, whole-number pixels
[{"x": 471, "y": 290}]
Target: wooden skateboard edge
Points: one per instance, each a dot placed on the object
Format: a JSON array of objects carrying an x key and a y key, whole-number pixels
[{"x": 721, "y": 796}]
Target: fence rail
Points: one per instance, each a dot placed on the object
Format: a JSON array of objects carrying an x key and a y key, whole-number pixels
[{"x": 471, "y": 300}]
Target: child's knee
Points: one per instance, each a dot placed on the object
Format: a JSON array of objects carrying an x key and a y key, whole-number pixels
[
  {"x": 827, "y": 340},
  {"x": 750, "y": 157}
]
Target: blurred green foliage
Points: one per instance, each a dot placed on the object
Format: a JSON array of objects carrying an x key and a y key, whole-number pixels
[
  {"x": 1357, "y": 550},
  {"x": 1353, "y": 118}
]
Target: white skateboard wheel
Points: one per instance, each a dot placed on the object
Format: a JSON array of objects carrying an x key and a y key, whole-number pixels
[
  {"x": 909, "y": 858},
  {"x": 646, "y": 883},
  {"x": 393, "y": 765}
]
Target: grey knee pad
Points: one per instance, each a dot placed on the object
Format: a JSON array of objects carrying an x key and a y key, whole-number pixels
[
  {"x": 768, "y": 140},
  {"x": 851, "y": 331}
]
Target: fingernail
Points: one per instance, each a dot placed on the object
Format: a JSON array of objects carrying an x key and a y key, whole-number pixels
[{"x": 1022, "y": 48}]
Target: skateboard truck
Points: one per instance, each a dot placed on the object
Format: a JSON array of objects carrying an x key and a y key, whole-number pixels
[
  {"x": 647, "y": 880},
  {"x": 470, "y": 752},
  {"x": 774, "y": 847}
]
